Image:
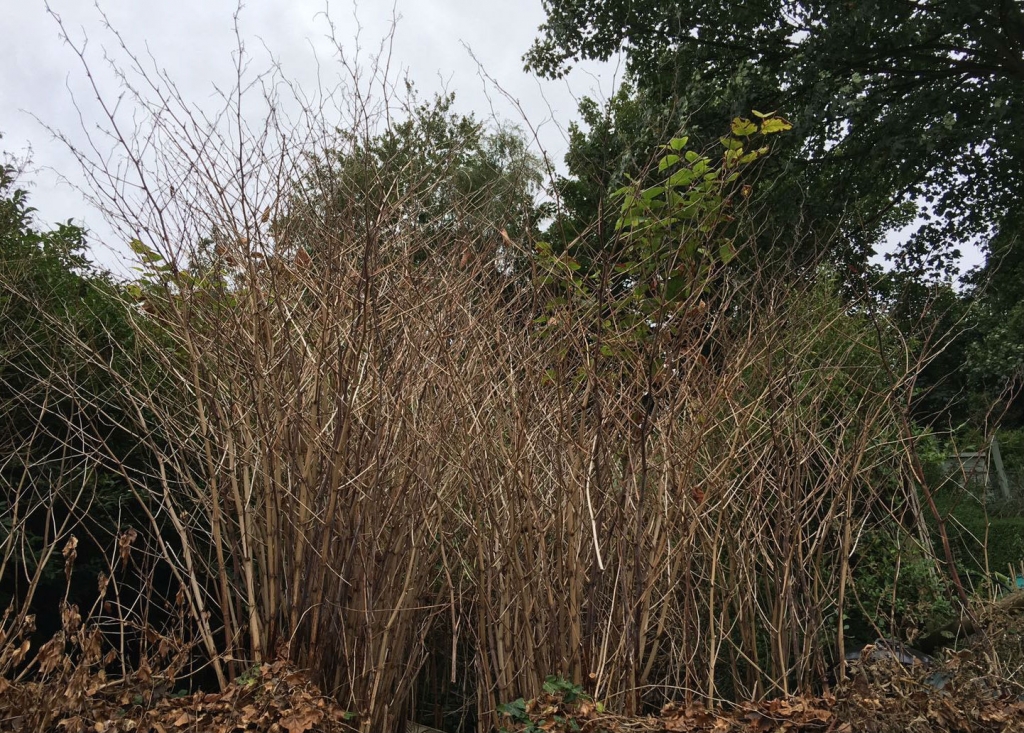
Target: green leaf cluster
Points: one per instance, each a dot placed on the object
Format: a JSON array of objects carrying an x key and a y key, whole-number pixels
[{"x": 672, "y": 236}]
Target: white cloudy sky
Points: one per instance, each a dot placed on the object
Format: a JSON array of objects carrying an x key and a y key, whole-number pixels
[{"x": 194, "y": 39}]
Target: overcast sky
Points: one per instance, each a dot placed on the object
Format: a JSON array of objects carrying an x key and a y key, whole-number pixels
[{"x": 194, "y": 39}]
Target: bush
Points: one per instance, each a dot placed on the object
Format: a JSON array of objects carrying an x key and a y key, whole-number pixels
[
  {"x": 899, "y": 592},
  {"x": 383, "y": 422}
]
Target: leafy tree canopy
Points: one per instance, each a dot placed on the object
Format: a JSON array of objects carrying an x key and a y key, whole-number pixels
[
  {"x": 995, "y": 357},
  {"x": 902, "y": 108},
  {"x": 447, "y": 175}
]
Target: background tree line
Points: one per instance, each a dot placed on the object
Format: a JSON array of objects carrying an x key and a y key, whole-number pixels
[{"x": 434, "y": 426}]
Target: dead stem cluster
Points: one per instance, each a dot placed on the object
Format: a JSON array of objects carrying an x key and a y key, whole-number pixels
[{"x": 365, "y": 456}]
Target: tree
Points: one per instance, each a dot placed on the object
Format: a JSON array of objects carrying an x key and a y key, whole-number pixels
[
  {"x": 902, "y": 109},
  {"x": 440, "y": 174},
  {"x": 55, "y": 412},
  {"x": 995, "y": 357}
]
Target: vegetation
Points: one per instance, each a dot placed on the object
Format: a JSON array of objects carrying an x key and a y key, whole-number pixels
[
  {"x": 902, "y": 109},
  {"x": 370, "y": 410},
  {"x": 55, "y": 480}
]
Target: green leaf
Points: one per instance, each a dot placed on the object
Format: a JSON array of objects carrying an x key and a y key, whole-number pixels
[
  {"x": 742, "y": 127},
  {"x": 675, "y": 287},
  {"x": 775, "y": 124},
  {"x": 682, "y": 177},
  {"x": 678, "y": 143},
  {"x": 726, "y": 253},
  {"x": 515, "y": 710},
  {"x": 667, "y": 161}
]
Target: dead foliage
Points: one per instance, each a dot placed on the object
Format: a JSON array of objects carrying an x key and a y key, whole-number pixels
[
  {"x": 274, "y": 697},
  {"x": 75, "y": 683},
  {"x": 971, "y": 689},
  {"x": 961, "y": 693},
  {"x": 882, "y": 696}
]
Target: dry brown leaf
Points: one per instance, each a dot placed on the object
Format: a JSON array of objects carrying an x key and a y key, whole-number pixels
[
  {"x": 676, "y": 725},
  {"x": 183, "y": 720},
  {"x": 722, "y": 725},
  {"x": 301, "y": 721}
]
